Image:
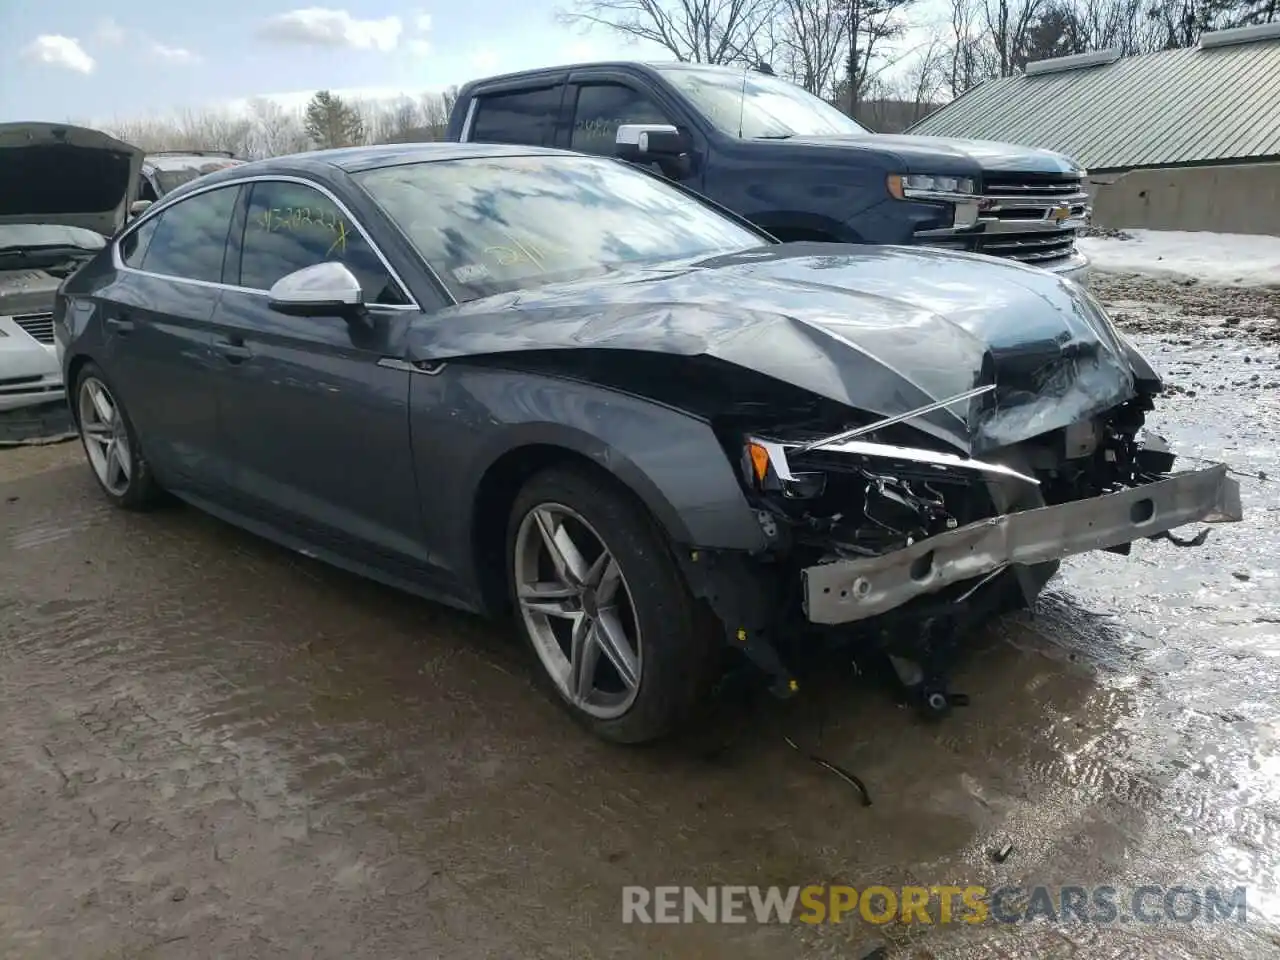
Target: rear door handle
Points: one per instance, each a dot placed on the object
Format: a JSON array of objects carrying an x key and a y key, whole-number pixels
[
  {"x": 233, "y": 352},
  {"x": 120, "y": 324}
]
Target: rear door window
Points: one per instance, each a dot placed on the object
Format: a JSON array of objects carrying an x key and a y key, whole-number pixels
[
  {"x": 191, "y": 238},
  {"x": 521, "y": 116}
]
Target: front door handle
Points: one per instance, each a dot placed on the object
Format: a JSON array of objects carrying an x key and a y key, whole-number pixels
[
  {"x": 120, "y": 324},
  {"x": 233, "y": 352}
]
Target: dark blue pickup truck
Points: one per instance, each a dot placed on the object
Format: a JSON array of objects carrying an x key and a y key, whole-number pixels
[{"x": 790, "y": 162}]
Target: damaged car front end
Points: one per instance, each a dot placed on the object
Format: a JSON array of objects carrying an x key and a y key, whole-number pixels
[
  {"x": 924, "y": 544},
  {"x": 920, "y": 436}
]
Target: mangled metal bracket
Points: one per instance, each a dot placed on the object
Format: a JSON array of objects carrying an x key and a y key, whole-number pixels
[{"x": 849, "y": 590}]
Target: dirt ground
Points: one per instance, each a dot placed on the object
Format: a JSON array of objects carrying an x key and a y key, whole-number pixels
[{"x": 215, "y": 748}]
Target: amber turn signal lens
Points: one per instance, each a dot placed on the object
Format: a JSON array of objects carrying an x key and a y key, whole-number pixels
[{"x": 759, "y": 461}]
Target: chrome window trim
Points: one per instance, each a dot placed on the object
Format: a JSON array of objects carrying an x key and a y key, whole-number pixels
[
  {"x": 465, "y": 135},
  {"x": 118, "y": 261}
]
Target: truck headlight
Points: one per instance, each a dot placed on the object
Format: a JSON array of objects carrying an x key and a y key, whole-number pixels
[{"x": 920, "y": 186}]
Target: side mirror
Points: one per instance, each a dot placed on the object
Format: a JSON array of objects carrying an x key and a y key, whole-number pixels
[
  {"x": 320, "y": 290},
  {"x": 138, "y": 207},
  {"x": 659, "y": 143}
]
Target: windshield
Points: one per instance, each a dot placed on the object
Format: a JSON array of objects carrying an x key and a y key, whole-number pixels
[
  {"x": 494, "y": 224},
  {"x": 770, "y": 108}
]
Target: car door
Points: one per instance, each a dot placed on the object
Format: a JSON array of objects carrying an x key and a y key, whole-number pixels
[
  {"x": 157, "y": 316},
  {"x": 313, "y": 412}
]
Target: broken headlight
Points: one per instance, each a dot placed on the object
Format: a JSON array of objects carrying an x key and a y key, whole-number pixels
[
  {"x": 766, "y": 470},
  {"x": 864, "y": 505}
]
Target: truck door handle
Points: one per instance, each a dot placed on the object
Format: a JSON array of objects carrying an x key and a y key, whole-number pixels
[
  {"x": 232, "y": 351},
  {"x": 120, "y": 325}
]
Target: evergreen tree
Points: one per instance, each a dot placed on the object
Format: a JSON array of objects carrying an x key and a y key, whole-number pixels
[{"x": 330, "y": 122}]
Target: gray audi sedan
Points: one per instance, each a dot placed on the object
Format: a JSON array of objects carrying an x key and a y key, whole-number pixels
[{"x": 559, "y": 388}]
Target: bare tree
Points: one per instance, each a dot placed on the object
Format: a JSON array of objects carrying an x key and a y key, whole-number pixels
[
  {"x": 276, "y": 131},
  {"x": 969, "y": 53},
  {"x": 925, "y": 78},
  {"x": 870, "y": 23},
  {"x": 436, "y": 109},
  {"x": 698, "y": 31},
  {"x": 812, "y": 37},
  {"x": 1008, "y": 23}
]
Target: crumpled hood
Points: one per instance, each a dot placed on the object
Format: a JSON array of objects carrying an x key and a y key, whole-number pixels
[
  {"x": 884, "y": 330},
  {"x": 56, "y": 173}
]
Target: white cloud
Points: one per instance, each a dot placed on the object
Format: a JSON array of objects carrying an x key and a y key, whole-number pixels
[
  {"x": 176, "y": 55},
  {"x": 325, "y": 27},
  {"x": 59, "y": 51},
  {"x": 423, "y": 23},
  {"x": 109, "y": 32}
]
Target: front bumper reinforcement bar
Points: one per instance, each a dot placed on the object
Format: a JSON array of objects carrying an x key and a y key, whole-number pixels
[{"x": 847, "y": 590}]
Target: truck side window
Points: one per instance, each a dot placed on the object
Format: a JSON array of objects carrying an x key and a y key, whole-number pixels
[
  {"x": 602, "y": 108},
  {"x": 522, "y": 116}
]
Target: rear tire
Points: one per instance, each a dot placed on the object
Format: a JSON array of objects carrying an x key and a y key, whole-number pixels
[
  {"x": 111, "y": 443},
  {"x": 601, "y": 601}
]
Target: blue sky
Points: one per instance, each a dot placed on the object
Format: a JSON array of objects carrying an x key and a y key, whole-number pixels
[{"x": 87, "y": 60}]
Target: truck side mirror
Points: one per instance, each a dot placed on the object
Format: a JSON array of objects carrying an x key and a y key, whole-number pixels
[{"x": 659, "y": 143}]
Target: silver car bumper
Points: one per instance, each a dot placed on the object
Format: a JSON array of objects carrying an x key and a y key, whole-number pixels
[{"x": 848, "y": 590}]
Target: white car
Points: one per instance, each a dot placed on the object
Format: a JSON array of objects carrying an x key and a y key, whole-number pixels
[{"x": 63, "y": 191}]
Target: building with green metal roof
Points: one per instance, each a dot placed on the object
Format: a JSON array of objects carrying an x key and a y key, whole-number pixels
[{"x": 1181, "y": 139}]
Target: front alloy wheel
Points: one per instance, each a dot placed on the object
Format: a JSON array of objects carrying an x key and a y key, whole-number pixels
[
  {"x": 603, "y": 604},
  {"x": 577, "y": 611}
]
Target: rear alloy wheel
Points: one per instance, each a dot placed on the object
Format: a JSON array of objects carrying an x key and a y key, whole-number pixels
[
  {"x": 600, "y": 600},
  {"x": 110, "y": 442}
]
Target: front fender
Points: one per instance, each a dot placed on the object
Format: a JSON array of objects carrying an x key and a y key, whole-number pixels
[{"x": 467, "y": 418}]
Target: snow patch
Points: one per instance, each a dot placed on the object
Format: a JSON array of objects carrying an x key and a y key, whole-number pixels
[{"x": 1231, "y": 259}]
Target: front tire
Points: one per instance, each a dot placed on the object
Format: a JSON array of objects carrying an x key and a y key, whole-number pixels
[
  {"x": 600, "y": 600},
  {"x": 111, "y": 443}
]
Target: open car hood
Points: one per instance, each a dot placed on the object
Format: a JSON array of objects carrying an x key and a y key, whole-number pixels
[
  {"x": 884, "y": 330},
  {"x": 59, "y": 174}
]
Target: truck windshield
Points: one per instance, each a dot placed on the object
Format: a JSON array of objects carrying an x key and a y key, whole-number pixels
[
  {"x": 771, "y": 107},
  {"x": 490, "y": 225}
]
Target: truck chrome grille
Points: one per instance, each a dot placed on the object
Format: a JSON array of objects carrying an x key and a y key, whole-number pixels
[
  {"x": 1029, "y": 217},
  {"x": 38, "y": 325}
]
